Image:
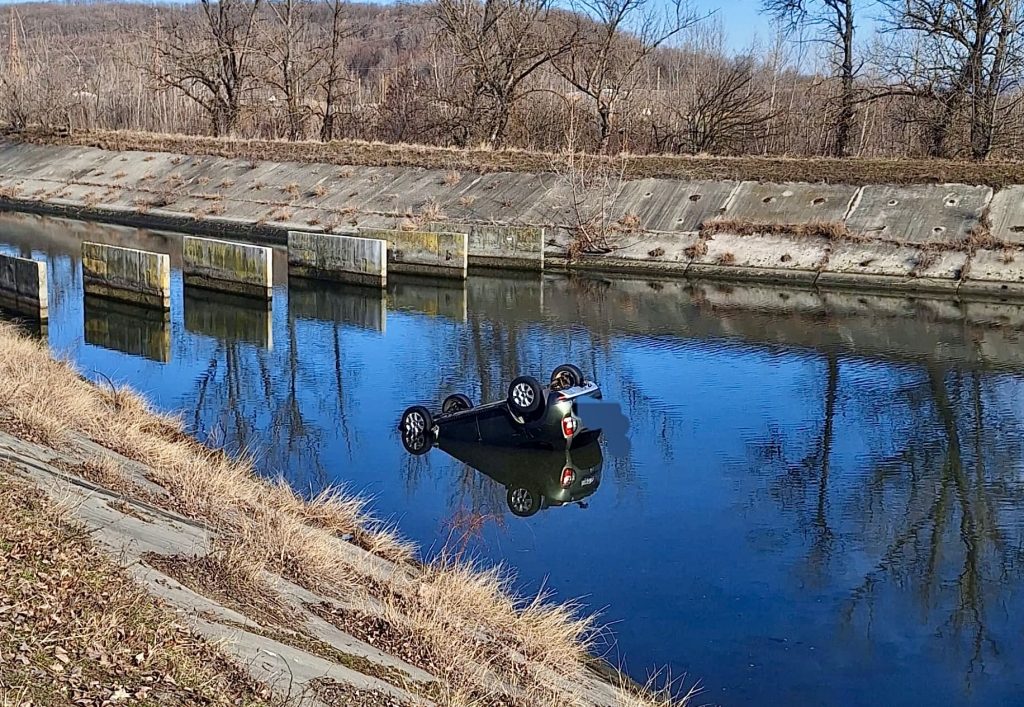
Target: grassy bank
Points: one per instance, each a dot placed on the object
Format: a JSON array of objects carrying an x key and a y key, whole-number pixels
[
  {"x": 75, "y": 629},
  {"x": 456, "y": 621},
  {"x": 855, "y": 171}
]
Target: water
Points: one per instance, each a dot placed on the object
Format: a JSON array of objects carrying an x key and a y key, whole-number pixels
[{"x": 820, "y": 501}]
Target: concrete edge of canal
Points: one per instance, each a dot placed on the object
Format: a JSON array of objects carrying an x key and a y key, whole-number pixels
[{"x": 936, "y": 238}]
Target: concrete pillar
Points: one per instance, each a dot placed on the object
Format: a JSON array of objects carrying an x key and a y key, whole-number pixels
[
  {"x": 361, "y": 261},
  {"x": 127, "y": 274},
  {"x": 23, "y": 286},
  {"x": 225, "y": 266}
]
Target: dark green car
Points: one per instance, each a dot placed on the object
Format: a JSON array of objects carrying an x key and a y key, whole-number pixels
[{"x": 531, "y": 415}]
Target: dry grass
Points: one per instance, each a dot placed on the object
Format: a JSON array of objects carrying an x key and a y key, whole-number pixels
[
  {"x": 697, "y": 250},
  {"x": 74, "y": 629},
  {"x": 352, "y": 152},
  {"x": 430, "y": 211},
  {"x": 829, "y": 230},
  {"x": 464, "y": 615}
]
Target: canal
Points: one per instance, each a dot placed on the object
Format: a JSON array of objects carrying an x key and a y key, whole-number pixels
[{"x": 819, "y": 500}]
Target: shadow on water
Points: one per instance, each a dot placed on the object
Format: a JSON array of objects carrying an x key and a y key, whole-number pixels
[{"x": 816, "y": 483}]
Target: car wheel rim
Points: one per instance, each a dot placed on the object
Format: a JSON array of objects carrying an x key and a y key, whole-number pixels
[
  {"x": 521, "y": 500},
  {"x": 563, "y": 380},
  {"x": 414, "y": 423},
  {"x": 522, "y": 395}
]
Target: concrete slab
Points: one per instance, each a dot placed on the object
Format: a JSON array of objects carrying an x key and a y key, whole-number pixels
[
  {"x": 342, "y": 258},
  {"x": 128, "y": 328},
  {"x": 661, "y": 253},
  {"x": 927, "y": 213},
  {"x": 790, "y": 203},
  {"x": 768, "y": 258},
  {"x": 669, "y": 205},
  {"x": 127, "y": 274},
  {"x": 225, "y": 266},
  {"x": 23, "y": 286},
  {"x": 886, "y": 265},
  {"x": 995, "y": 273},
  {"x": 499, "y": 245},
  {"x": 424, "y": 252},
  {"x": 1006, "y": 215}
]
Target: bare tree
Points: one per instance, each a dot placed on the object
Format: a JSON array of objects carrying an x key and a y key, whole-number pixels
[
  {"x": 834, "y": 23},
  {"x": 499, "y": 45},
  {"x": 725, "y": 107},
  {"x": 614, "y": 40},
  {"x": 963, "y": 57},
  {"x": 334, "y": 76},
  {"x": 293, "y": 61},
  {"x": 208, "y": 56}
]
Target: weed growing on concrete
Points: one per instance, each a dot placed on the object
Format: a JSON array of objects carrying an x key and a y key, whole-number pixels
[{"x": 834, "y": 231}]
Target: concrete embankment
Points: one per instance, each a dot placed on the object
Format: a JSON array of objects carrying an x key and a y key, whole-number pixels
[{"x": 948, "y": 238}]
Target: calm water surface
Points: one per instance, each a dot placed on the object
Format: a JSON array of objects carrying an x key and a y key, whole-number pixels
[{"x": 820, "y": 501}]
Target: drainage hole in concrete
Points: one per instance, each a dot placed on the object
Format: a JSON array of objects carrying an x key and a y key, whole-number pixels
[
  {"x": 951, "y": 202},
  {"x": 938, "y": 229},
  {"x": 819, "y": 201},
  {"x": 694, "y": 197},
  {"x": 786, "y": 257},
  {"x": 893, "y": 202},
  {"x": 865, "y": 263},
  {"x": 648, "y": 195},
  {"x": 768, "y": 199}
]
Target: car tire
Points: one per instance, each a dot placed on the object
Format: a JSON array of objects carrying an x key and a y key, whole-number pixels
[
  {"x": 525, "y": 396},
  {"x": 566, "y": 376},
  {"x": 417, "y": 430},
  {"x": 456, "y": 403},
  {"x": 523, "y": 502}
]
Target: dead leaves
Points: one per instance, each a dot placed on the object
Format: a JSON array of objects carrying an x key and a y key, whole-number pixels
[{"x": 75, "y": 630}]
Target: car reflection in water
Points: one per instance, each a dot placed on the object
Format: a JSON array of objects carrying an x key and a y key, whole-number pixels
[{"x": 535, "y": 479}]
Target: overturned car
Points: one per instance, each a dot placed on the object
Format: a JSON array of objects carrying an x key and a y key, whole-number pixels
[{"x": 531, "y": 415}]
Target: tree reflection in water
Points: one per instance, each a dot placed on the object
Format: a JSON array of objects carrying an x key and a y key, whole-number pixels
[{"x": 934, "y": 506}]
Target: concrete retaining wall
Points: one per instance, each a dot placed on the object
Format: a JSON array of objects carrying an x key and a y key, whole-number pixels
[
  {"x": 499, "y": 246},
  {"x": 425, "y": 252},
  {"x": 342, "y": 258},
  {"x": 224, "y": 266},
  {"x": 23, "y": 286},
  {"x": 127, "y": 274},
  {"x": 652, "y": 225}
]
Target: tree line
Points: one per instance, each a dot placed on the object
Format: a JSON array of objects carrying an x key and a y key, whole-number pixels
[{"x": 837, "y": 78}]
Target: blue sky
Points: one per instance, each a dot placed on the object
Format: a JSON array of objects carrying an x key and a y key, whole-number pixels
[{"x": 742, "y": 19}]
